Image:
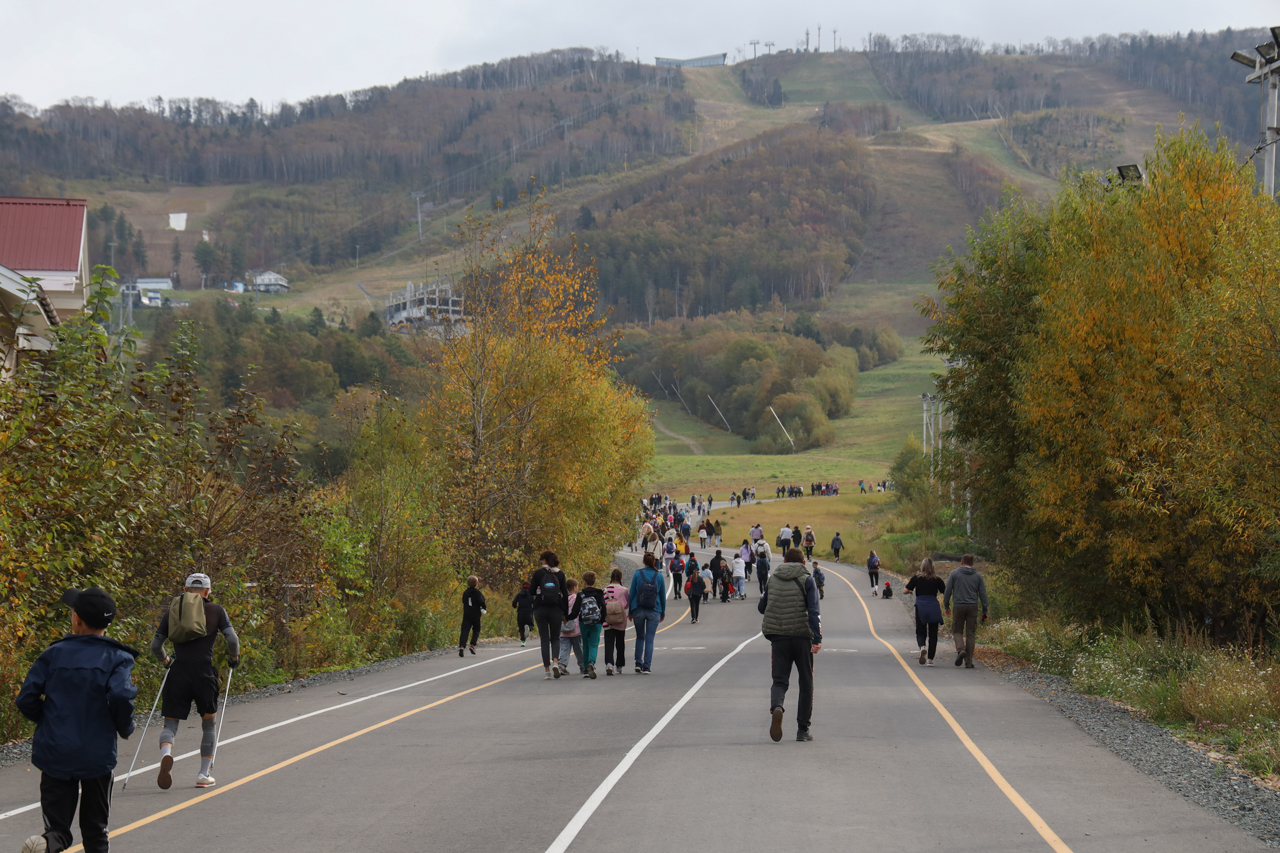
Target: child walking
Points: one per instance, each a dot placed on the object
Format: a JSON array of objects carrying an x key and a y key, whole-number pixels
[
  {"x": 473, "y": 607},
  {"x": 523, "y": 603},
  {"x": 591, "y": 609},
  {"x": 617, "y": 604},
  {"x": 570, "y": 633}
]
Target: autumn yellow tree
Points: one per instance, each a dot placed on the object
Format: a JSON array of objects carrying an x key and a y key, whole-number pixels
[
  {"x": 1091, "y": 347},
  {"x": 542, "y": 446}
]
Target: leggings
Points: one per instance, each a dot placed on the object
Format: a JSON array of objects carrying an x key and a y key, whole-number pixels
[
  {"x": 874, "y": 574},
  {"x": 695, "y": 602},
  {"x": 471, "y": 623},
  {"x": 549, "y": 620},
  {"x": 929, "y": 630},
  {"x": 677, "y": 582},
  {"x": 615, "y": 645},
  {"x": 526, "y": 628}
]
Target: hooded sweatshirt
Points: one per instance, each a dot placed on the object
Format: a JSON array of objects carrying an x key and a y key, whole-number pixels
[{"x": 967, "y": 587}]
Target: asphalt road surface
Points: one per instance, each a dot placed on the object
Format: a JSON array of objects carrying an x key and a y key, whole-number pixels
[{"x": 482, "y": 754}]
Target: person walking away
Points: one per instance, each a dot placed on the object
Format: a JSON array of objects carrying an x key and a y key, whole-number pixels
[
  {"x": 784, "y": 538},
  {"x": 668, "y": 553},
  {"x": 809, "y": 542},
  {"x": 677, "y": 575},
  {"x": 473, "y": 607},
  {"x": 697, "y": 588},
  {"x": 793, "y": 627},
  {"x": 726, "y": 580},
  {"x": 550, "y": 608},
  {"x": 837, "y": 545},
  {"x": 820, "y": 579},
  {"x": 764, "y": 559},
  {"x": 192, "y": 623},
  {"x": 80, "y": 694},
  {"x": 591, "y": 610},
  {"x": 873, "y": 572},
  {"x": 648, "y": 598},
  {"x": 796, "y": 538},
  {"x": 616, "y": 607},
  {"x": 523, "y": 603},
  {"x": 967, "y": 587},
  {"x": 718, "y": 531},
  {"x": 570, "y": 632},
  {"x": 740, "y": 579},
  {"x": 927, "y": 585},
  {"x": 702, "y": 535}
]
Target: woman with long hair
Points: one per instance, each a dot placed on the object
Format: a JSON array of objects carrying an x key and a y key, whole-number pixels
[{"x": 927, "y": 586}]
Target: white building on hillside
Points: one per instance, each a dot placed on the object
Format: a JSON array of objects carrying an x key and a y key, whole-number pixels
[{"x": 266, "y": 281}]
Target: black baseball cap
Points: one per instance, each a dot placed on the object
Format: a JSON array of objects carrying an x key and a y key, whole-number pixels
[{"x": 92, "y": 605}]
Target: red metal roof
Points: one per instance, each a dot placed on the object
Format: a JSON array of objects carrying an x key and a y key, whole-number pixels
[{"x": 41, "y": 233}]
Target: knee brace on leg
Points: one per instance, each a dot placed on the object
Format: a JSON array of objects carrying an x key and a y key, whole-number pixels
[
  {"x": 206, "y": 739},
  {"x": 169, "y": 732}
]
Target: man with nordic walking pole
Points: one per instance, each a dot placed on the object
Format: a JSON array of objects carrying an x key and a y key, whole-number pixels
[
  {"x": 192, "y": 623},
  {"x": 80, "y": 694}
]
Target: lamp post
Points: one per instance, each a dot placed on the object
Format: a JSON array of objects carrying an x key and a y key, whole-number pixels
[
  {"x": 417, "y": 197},
  {"x": 1266, "y": 72}
]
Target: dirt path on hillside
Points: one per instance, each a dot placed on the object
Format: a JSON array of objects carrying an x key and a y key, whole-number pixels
[{"x": 693, "y": 445}]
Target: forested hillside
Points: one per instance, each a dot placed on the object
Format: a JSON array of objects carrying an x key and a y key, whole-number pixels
[
  {"x": 781, "y": 215},
  {"x": 745, "y": 363},
  {"x": 348, "y": 162}
]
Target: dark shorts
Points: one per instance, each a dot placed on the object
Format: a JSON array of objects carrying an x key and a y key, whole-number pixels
[{"x": 187, "y": 683}]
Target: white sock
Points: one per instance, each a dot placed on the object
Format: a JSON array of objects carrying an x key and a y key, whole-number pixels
[
  {"x": 205, "y": 764},
  {"x": 166, "y": 749}
]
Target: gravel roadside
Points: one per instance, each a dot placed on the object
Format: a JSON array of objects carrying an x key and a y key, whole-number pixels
[{"x": 1209, "y": 782}]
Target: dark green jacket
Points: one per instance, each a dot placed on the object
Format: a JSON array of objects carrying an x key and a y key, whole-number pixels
[{"x": 791, "y": 609}]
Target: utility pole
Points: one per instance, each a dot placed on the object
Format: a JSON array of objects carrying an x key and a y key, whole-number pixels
[
  {"x": 818, "y": 49},
  {"x": 417, "y": 197},
  {"x": 357, "y": 256},
  {"x": 835, "y": 42},
  {"x": 769, "y": 46},
  {"x": 753, "y": 44},
  {"x": 806, "y": 39},
  {"x": 112, "y": 244},
  {"x": 1266, "y": 72}
]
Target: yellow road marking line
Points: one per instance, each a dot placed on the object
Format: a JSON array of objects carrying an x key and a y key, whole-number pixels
[
  {"x": 138, "y": 824},
  {"x": 1050, "y": 837}
]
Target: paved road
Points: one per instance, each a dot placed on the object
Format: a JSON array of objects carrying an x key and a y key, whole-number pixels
[{"x": 482, "y": 754}]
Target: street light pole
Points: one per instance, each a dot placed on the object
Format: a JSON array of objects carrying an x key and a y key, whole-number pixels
[{"x": 1266, "y": 73}]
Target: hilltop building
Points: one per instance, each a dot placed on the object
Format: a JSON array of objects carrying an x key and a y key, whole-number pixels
[
  {"x": 266, "y": 281},
  {"x": 423, "y": 306},
  {"x": 696, "y": 62}
]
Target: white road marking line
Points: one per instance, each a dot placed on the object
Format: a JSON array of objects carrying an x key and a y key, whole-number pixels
[
  {"x": 570, "y": 832},
  {"x": 347, "y": 704}
]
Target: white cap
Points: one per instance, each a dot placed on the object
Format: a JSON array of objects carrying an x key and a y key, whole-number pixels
[{"x": 198, "y": 581}]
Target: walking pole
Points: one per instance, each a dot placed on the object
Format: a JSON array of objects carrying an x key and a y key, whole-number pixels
[
  {"x": 144, "y": 730},
  {"x": 218, "y": 739}
]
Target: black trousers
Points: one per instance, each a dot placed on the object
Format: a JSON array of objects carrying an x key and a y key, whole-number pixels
[
  {"x": 58, "y": 803},
  {"x": 469, "y": 623},
  {"x": 926, "y": 629},
  {"x": 549, "y": 620},
  {"x": 695, "y": 602},
  {"x": 874, "y": 575},
  {"x": 677, "y": 583},
  {"x": 797, "y": 651},
  {"x": 615, "y": 646}
]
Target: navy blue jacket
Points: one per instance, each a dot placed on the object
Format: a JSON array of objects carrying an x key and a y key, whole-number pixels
[{"x": 80, "y": 694}]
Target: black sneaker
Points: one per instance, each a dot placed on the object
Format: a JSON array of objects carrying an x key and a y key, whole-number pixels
[
  {"x": 775, "y": 727},
  {"x": 646, "y": 671},
  {"x": 639, "y": 668},
  {"x": 461, "y": 653},
  {"x": 803, "y": 735},
  {"x": 968, "y": 666},
  {"x": 959, "y": 658}
]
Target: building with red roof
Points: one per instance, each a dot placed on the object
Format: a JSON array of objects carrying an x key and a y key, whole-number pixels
[{"x": 47, "y": 239}]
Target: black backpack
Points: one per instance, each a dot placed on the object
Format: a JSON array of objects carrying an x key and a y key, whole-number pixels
[
  {"x": 647, "y": 593},
  {"x": 549, "y": 589}
]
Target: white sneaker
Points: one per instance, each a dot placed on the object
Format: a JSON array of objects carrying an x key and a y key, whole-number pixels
[
  {"x": 923, "y": 653},
  {"x": 35, "y": 844},
  {"x": 205, "y": 781},
  {"x": 930, "y": 663}
]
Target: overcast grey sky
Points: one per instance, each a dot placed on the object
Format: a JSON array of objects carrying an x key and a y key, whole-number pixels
[{"x": 276, "y": 50}]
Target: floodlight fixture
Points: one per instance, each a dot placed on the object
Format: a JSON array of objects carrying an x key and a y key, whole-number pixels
[
  {"x": 1244, "y": 58},
  {"x": 1275, "y": 34},
  {"x": 1269, "y": 51},
  {"x": 1130, "y": 173}
]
